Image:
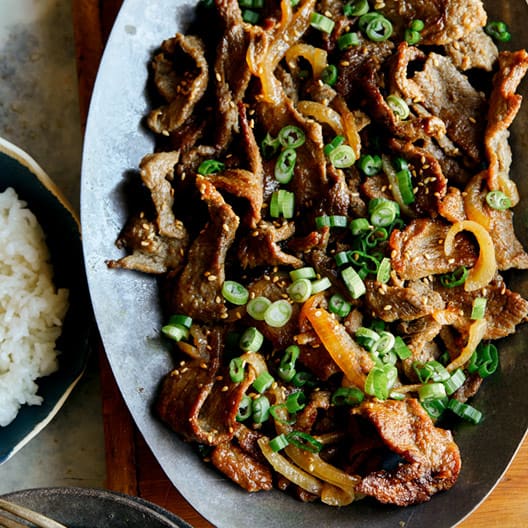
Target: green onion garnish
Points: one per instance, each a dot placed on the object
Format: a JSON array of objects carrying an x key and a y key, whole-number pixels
[
  {"x": 269, "y": 146},
  {"x": 375, "y": 26},
  {"x": 339, "y": 305},
  {"x": 347, "y": 40},
  {"x": 278, "y": 313},
  {"x": 236, "y": 370},
  {"x": 278, "y": 443},
  {"x": 336, "y": 142},
  {"x": 302, "y": 378},
  {"x": 484, "y": 360},
  {"x": 347, "y": 396},
  {"x": 384, "y": 270},
  {"x": 245, "y": 408},
  {"x": 263, "y": 382},
  {"x": 356, "y": 8},
  {"x": 285, "y": 165},
  {"x": 456, "y": 278},
  {"x": 431, "y": 391},
  {"x": 498, "y": 30},
  {"x": 380, "y": 380},
  {"x": 300, "y": 290},
  {"x": 210, "y": 167},
  {"x": 303, "y": 273},
  {"x": 176, "y": 332},
  {"x": 331, "y": 221},
  {"x": 282, "y": 203},
  {"x": 257, "y": 306},
  {"x": 435, "y": 408},
  {"x": 431, "y": 371},
  {"x": 359, "y": 226},
  {"x": 367, "y": 337},
  {"x": 250, "y": 16},
  {"x": 411, "y": 37},
  {"x": 401, "y": 349},
  {"x": 353, "y": 282},
  {"x": 417, "y": 25},
  {"x": 479, "y": 308},
  {"x": 465, "y": 411},
  {"x": 235, "y": 293},
  {"x": 304, "y": 441},
  {"x": 322, "y": 23},
  {"x": 251, "y": 339},
  {"x": 261, "y": 408},
  {"x": 342, "y": 157},
  {"x": 369, "y": 164},
  {"x": 405, "y": 186},
  {"x": 498, "y": 200},
  {"x": 286, "y": 368},
  {"x": 455, "y": 381},
  {"x": 398, "y": 106},
  {"x": 329, "y": 75},
  {"x": 295, "y": 402},
  {"x": 383, "y": 212},
  {"x": 320, "y": 285},
  {"x": 179, "y": 319},
  {"x": 291, "y": 136}
]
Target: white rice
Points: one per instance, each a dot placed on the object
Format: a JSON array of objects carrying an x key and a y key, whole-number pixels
[{"x": 31, "y": 308}]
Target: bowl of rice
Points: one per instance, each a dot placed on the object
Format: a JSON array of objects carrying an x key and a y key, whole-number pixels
[{"x": 44, "y": 309}]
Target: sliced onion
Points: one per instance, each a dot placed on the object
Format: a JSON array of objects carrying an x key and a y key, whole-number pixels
[
  {"x": 390, "y": 172},
  {"x": 473, "y": 203},
  {"x": 486, "y": 266},
  {"x": 337, "y": 341},
  {"x": 322, "y": 114},
  {"x": 317, "y": 58},
  {"x": 476, "y": 333},
  {"x": 293, "y": 473}
]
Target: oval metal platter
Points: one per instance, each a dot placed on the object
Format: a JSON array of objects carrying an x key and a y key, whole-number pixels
[{"x": 128, "y": 314}]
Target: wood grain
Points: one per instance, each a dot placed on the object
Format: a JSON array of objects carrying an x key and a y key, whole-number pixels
[{"x": 131, "y": 467}]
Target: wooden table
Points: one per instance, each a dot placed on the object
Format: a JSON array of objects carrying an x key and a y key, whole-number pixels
[{"x": 131, "y": 467}]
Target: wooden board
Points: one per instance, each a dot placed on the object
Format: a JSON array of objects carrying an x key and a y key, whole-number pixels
[{"x": 131, "y": 467}]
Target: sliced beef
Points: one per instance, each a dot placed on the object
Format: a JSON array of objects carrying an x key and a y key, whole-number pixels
[
  {"x": 447, "y": 93},
  {"x": 201, "y": 280},
  {"x": 418, "y": 250},
  {"x": 451, "y": 206},
  {"x": 307, "y": 417},
  {"x": 249, "y": 473},
  {"x": 149, "y": 251},
  {"x": 261, "y": 247},
  {"x": 198, "y": 400},
  {"x": 181, "y": 77},
  {"x": 318, "y": 361},
  {"x": 474, "y": 50},
  {"x": 504, "y": 309},
  {"x": 504, "y": 105},
  {"x": 432, "y": 459},
  {"x": 445, "y": 20},
  {"x": 393, "y": 303},
  {"x": 509, "y": 252}
]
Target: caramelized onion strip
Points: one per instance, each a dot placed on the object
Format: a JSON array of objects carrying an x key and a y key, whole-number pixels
[
  {"x": 476, "y": 333},
  {"x": 322, "y": 114},
  {"x": 486, "y": 266},
  {"x": 317, "y": 58},
  {"x": 473, "y": 201}
]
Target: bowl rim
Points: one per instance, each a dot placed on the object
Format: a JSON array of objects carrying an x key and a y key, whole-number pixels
[{"x": 23, "y": 158}]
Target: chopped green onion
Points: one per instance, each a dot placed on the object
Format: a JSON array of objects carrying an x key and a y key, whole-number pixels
[
  {"x": 347, "y": 40},
  {"x": 210, "y": 167},
  {"x": 370, "y": 165},
  {"x": 278, "y": 313},
  {"x": 286, "y": 368},
  {"x": 304, "y": 441},
  {"x": 398, "y": 106},
  {"x": 180, "y": 319},
  {"x": 400, "y": 164},
  {"x": 300, "y": 290},
  {"x": 295, "y": 402},
  {"x": 322, "y": 23},
  {"x": 359, "y": 226},
  {"x": 331, "y": 221},
  {"x": 303, "y": 273},
  {"x": 263, "y": 382},
  {"x": 383, "y": 212},
  {"x": 498, "y": 200},
  {"x": 465, "y": 411},
  {"x": 261, "y": 408},
  {"x": 417, "y": 25},
  {"x": 456, "y": 278},
  {"x": 342, "y": 257},
  {"x": 279, "y": 416},
  {"x": 353, "y": 282},
  {"x": 405, "y": 186},
  {"x": 385, "y": 343},
  {"x": 176, "y": 332},
  {"x": 236, "y": 370},
  {"x": 378, "y": 29},
  {"x": 329, "y": 76},
  {"x": 251, "y": 339},
  {"x": 484, "y": 360},
  {"x": 367, "y": 337},
  {"x": 320, "y": 285},
  {"x": 245, "y": 408},
  {"x": 269, "y": 146},
  {"x": 291, "y": 136},
  {"x": 411, "y": 36},
  {"x": 339, "y": 305},
  {"x": 285, "y": 165},
  {"x": 384, "y": 270},
  {"x": 235, "y": 293},
  {"x": 257, "y": 306},
  {"x": 431, "y": 391},
  {"x": 250, "y": 16},
  {"x": 478, "y": 309},
  {"x": 336, "y": 142},
  {"x": 278, "y": 443},
  {"x": 380, "y": 380},
  {"x": 274, "y": 209},
  {"x": 356, "y": 8},
  {"x": 366, "y": 18},
  {"x": 347, "y": 396},
  {"x": 342, "y": 157},
  {"x": 435, "y": 408},
  {"x": 431, "y": 371},
  {"x": 286, "y": 201},
  {"x": 498, "y": 30},
  {"x": 302, "y": 378},
  {"x": 401, "y": 349},
  {"x": 455, "y": 381}
]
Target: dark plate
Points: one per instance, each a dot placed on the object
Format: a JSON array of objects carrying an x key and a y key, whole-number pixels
[
  {"x": 61, "y": 225},
  {"x": 128, "y": 314},
  {"x": 94, "y": 508}
]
